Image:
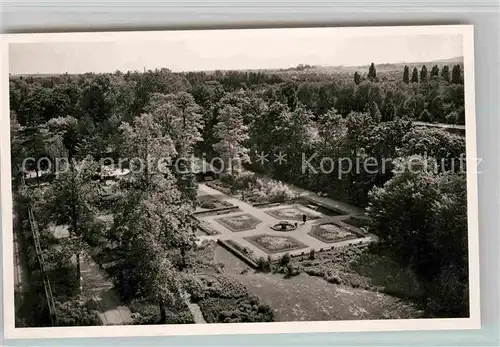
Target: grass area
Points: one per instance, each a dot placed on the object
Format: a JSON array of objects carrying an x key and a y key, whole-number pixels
[
  {"x": 223, "y": 299},
  {"x": 303, "y": 297},
  {"x": 357, "y": 268}
]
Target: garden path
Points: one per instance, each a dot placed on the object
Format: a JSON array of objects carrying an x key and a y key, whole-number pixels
[
  {"x": 196, "y": 312},
  {"x": 98, "y": 287}
]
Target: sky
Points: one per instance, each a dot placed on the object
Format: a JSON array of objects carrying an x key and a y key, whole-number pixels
[{"x": 229, "y": 49}]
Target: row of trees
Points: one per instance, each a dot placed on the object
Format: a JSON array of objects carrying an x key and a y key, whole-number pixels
[
  {"x": 424, "y": 76},
  {"x": 456, "y": 74}
]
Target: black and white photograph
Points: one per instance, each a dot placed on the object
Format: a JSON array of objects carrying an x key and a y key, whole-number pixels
[{"x": 239, "y": 181}]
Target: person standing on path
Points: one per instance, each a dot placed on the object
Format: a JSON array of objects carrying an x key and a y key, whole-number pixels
[{"x": 304, "y": 218}]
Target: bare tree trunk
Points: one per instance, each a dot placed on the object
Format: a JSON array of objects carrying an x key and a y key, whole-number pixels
[
  {"x": 78, "y": 268},
  {"x": 183, "y": 256},
  {"x": 163, "y": 315}
]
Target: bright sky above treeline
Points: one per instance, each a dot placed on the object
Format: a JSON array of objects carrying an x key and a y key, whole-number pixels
[{"x": 230, "y": 49}]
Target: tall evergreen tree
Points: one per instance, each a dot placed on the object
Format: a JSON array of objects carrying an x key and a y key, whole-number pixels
[
  {"x": 406, "y": 75},
  {"x": 456, "y": 74},
  {"x": 414, "y": 75},
  {"x": 375, "y": 112},
  {"x": 445, "y": 73},
  {"x": 357, "y": 78},
  {"x": 372, "y": 72},
  {"x": 388, "y": 111},
  {"x": 435, "y": 71},
  {"x": 423, "y": 74}
]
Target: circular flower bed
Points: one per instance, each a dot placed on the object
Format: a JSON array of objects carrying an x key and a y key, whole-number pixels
[{"x": 284, "y": 226}]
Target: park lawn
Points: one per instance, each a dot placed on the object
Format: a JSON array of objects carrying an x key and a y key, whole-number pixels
[{"x": 309, "y": 298}]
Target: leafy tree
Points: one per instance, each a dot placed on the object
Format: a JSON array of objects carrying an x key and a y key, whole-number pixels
[
  {"x": 231, "y": 133},
  {"x": 410, "y": 214},
  {"x": 17, "y": 150},
  {"x": 331, "y": 129},
  {"x": 180, "y": 117},
  {"x": 34, "y": 144},
  {"x": 426, "y": 116},
  {"x": 406, "y": 74},
  {"x": 74, "y": 197},
  {"x": 64, "y": 131},
  {"x": 151, "y": 228},
  {"x": 445, "y": 147},
  {"x": 414, "y": 75},
  {"x": 289, "y": 95},
  {"x": 144, "y": 141}
]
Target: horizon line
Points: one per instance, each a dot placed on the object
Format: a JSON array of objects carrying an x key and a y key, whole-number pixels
[{"x": 437, "y": 61}]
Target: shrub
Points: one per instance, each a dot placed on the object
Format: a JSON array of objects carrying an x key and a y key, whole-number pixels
[
  {"x": 145, "y": 313},
  {"x": 333, "y": 279},
  {"x": 311, "y": 254},
  {"x": 245, "y": 180},
  {"x": 222, "y": 286},
  {"x": 277, "y": 191},
  {"x": 263, "y": 264},
  {"x": 76, "y": 312},
  {"x": 291, "y": 270},
  {"x": 240, "y": 310},
  {"x": 313, "y": 271},
  {"x": 208, "y": 205},
  {"x": 227, "y": 179},
  {"x": 285, "y": 259}
]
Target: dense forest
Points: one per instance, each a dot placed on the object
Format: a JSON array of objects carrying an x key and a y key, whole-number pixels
[{"x": 419, "y": 215}]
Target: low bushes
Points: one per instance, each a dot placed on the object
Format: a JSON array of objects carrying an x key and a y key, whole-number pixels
[
  {"x": 264, "y": 265},
  {"x": 76, "y": 312},
  {"x": 253, "y": 189},
  {"x": 270, "y": 191},
  {"x": 223, "y": 299},
  {"x": 214, "y": 204},
  {"x": 235, "y": 310},
  {"x": 286, "y": 267},
  {"x": 210, "y": 205},
  {"x": 358, "y": 268},
  {"x": 145, "y": 313}
]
